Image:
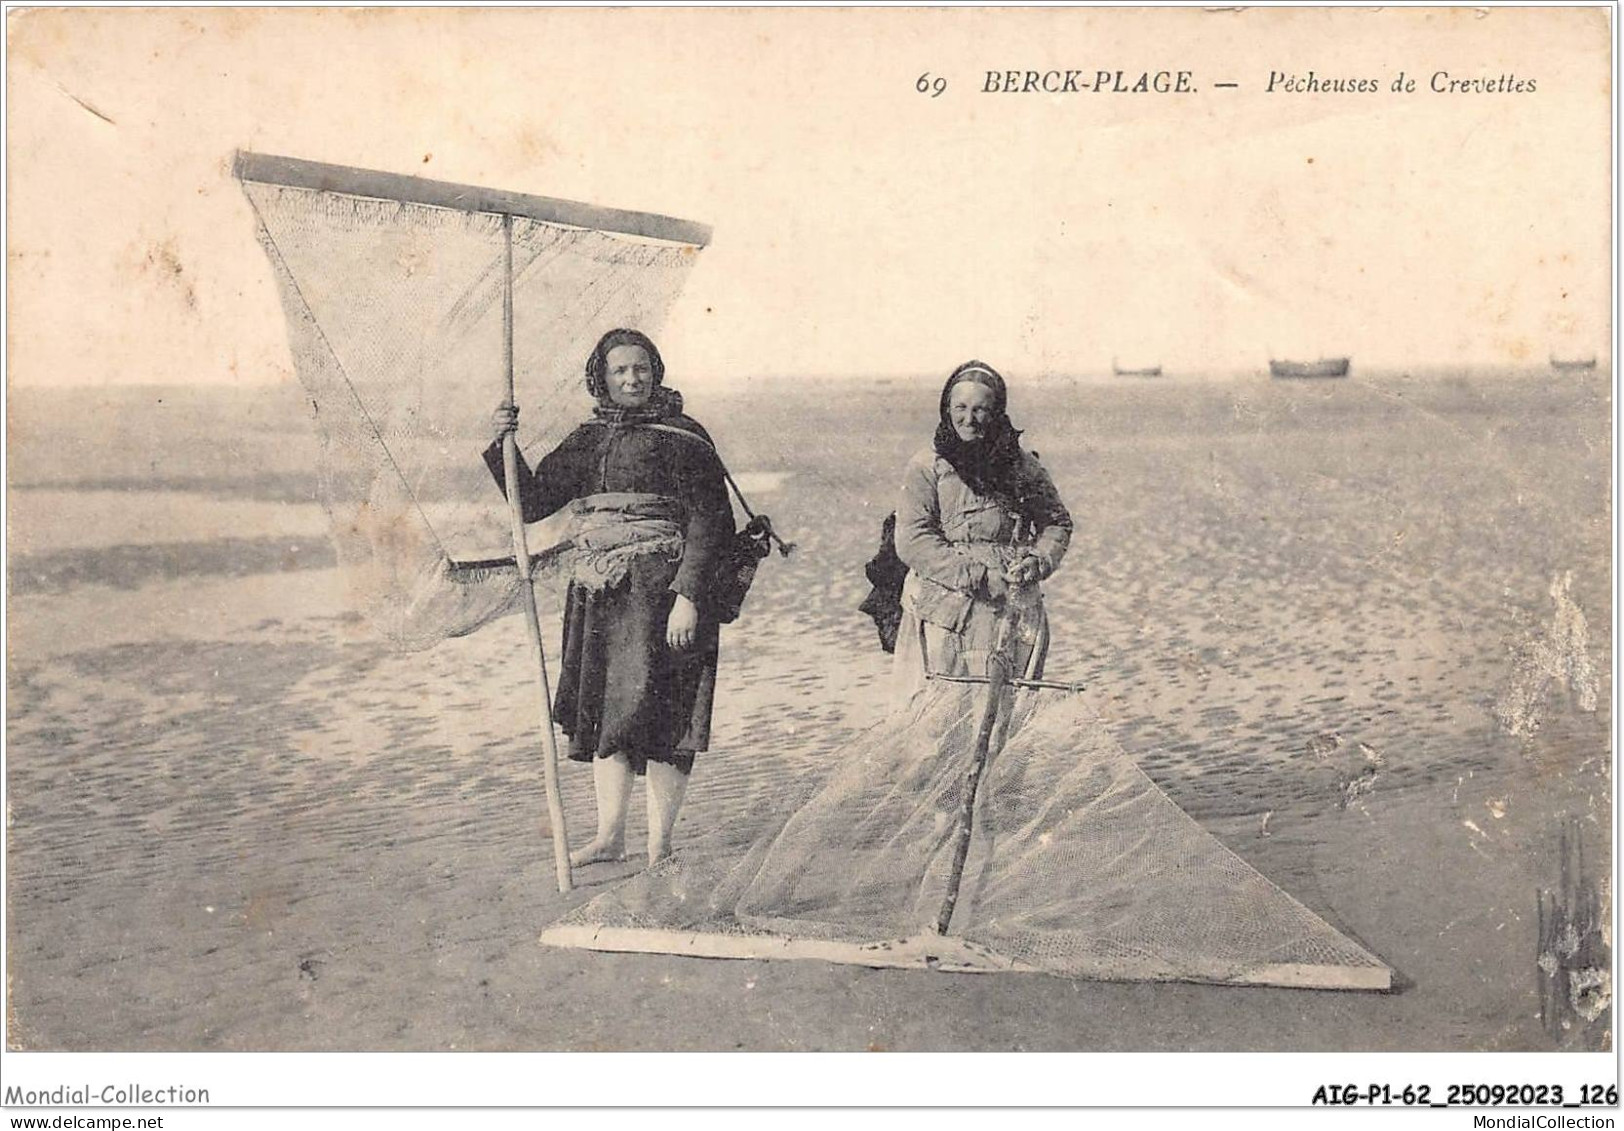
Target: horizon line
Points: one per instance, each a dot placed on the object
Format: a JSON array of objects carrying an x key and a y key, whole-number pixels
[{"x": 1168, "y": 373}]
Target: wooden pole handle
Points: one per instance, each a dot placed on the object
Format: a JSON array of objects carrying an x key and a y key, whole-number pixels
[
  {"x": 998, "y": 674},
  {"x": 527, "y": 592}
]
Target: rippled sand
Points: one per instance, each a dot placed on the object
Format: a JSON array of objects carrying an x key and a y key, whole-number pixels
[{"x": 1323, "y": 616}]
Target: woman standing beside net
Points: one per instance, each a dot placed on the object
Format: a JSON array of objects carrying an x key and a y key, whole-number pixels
[
  {"x": 979, "y": 524},
  {"x": 649, "y": 521}
]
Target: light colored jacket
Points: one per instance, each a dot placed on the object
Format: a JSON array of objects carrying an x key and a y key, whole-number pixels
[{"x": 950, "y": 537}]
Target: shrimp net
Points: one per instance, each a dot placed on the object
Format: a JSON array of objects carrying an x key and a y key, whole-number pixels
[
  {"x": 394, "y": 309},
  {"x": 1078, "y": 865}
]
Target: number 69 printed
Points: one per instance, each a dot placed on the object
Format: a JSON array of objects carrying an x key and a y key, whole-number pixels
[{"x": 931, "y": 86}]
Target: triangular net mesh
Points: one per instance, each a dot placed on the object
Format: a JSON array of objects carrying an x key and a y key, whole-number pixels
[
  {"x": 1079, "y": 865},
  {"x": 394, "y": 314}
]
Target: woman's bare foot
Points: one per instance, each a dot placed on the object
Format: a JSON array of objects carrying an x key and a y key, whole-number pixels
[
  {"x": 599, "y": 852},
  {"x": 658, "y": 852}
]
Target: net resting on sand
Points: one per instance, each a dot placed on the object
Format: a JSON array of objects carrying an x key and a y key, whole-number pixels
[{"x": 1079, "y": 865}]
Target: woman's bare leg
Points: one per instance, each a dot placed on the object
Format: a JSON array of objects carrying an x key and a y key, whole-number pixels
[
  {"x": 612, "y": 783},
  {"x": 666, "y": 786}
]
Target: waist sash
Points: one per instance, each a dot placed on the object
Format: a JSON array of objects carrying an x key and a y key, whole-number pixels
[{"x": 608, "y": 532}]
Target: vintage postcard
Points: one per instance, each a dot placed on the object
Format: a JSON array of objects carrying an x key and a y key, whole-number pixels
[{"x": 746, "y": 530}]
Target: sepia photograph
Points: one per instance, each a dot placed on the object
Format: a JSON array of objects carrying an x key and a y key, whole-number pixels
[{"x": 812, "y": 530}]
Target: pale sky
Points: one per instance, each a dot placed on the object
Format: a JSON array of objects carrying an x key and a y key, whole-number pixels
[{"x": 861, "y": 228}]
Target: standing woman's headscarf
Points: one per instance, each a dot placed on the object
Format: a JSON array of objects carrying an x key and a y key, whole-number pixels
[
  {"x": 990, "y": 465},
  {"x": 662, "y": 401}
]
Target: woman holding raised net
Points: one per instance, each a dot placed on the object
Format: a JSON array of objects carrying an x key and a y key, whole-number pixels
[
  {"x": 979, "y": 523},
  {"x": 649, "y": 522}
]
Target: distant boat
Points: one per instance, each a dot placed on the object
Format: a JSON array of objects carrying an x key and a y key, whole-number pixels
[
  {"x": 1324, "y": 367},
  {"x": 1141, "y": 371},
  {"x": 1573, "y": 364}
]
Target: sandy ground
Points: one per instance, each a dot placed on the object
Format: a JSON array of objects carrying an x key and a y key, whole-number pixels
[{"x": 1353, "y": 628}]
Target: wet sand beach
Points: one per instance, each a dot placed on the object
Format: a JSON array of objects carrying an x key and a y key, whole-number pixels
[{"x": 1359, "y": 629}]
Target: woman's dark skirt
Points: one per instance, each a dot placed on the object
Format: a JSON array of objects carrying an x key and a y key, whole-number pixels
[{"x": 623, "y": 690}]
